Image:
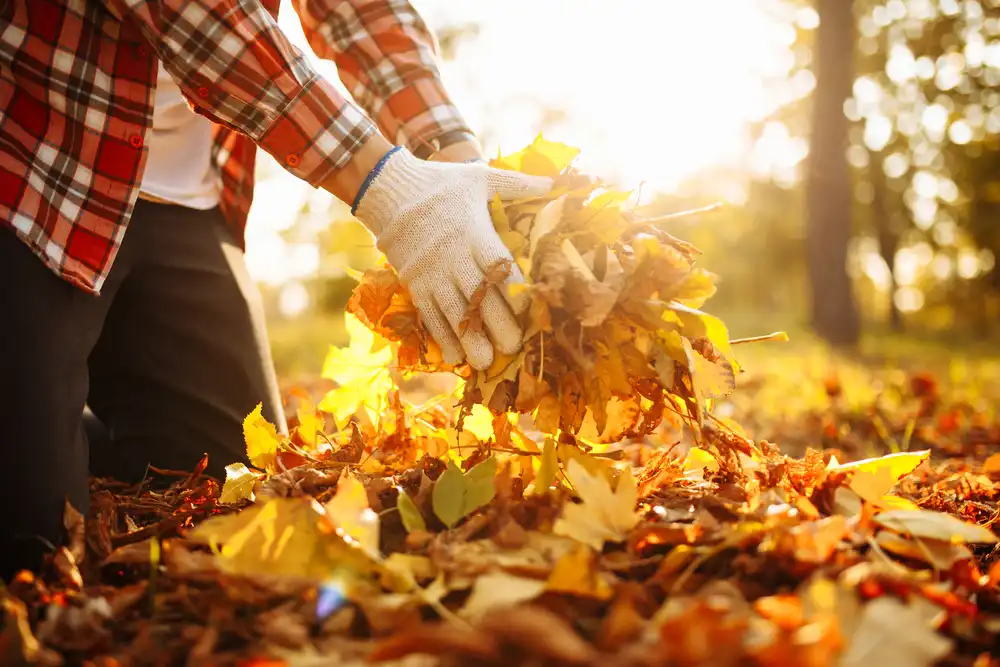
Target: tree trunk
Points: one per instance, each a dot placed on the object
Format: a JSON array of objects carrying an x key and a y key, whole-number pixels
[
  {"x": 828, "y": 185},
  {"x": 885, "y": 232}
]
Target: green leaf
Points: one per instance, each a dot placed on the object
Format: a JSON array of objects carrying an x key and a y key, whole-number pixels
[
  {"x": 457, "y": 495},
  {"x": 410, "y": 513},
  {"x": 479, "y": 484},
  {"x": 448, "y": 497}
]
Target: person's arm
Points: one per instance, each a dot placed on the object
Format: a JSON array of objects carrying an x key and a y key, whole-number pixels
[
  {"x": 432, "y": 221},
  {"x": 236, "y": 67},
  {"x": 389, "y": 61}
]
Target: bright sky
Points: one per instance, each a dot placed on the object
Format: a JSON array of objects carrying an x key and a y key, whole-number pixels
[{"x": 653, "y": 91}]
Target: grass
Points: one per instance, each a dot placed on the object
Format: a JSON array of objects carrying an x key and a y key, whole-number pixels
[{"x": 299, "y": 345}]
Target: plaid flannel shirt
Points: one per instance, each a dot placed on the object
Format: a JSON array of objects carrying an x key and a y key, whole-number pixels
[{"x": 77, "y": 79}]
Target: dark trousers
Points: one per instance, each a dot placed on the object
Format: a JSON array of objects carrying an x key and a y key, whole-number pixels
[{"x": 170, "y": 358}]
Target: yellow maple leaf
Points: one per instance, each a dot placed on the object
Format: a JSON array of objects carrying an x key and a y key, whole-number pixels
[
  {"x": 350, "y": 512},
  {"x": 261, "y": 438},
  {"x": 239, "y": 484},
  {"x": 891, "y": 502},
  {"x": 576, "y": 574},
  {"x": 283, "y": 536},
  {"x": 499, "y": 216},
  {"x": 874, "y": 478},
  {"x": 545, "y": 222},
  {"x": 361, "y": 373},
  {"x": 479, "y": 422},
  {"x": 310, "y": 423},
  {"x": 541, "y": 158},
  {"x": 604, "y": 515},
  {"x": 548, "y": 466},
  {"x": 698, "y": 462},
  {"x": 593, "y": 465}
]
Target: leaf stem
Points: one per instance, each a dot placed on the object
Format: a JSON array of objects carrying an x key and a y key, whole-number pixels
[{"x": 777, "y": 336}]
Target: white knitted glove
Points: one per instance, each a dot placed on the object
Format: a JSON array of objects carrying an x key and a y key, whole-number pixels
[{"x": 432, "y": 222}]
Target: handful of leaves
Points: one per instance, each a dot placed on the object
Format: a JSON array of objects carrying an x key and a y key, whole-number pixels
[{"x": 614, "y": 328}]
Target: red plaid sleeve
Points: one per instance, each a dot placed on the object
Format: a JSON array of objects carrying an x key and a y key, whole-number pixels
[
  {"x": 388, "y": 59},
  {"x": 237, "y": 68}
]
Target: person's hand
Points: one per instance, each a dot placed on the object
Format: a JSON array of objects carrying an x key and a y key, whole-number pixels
[{"x": 432, "y": 222}]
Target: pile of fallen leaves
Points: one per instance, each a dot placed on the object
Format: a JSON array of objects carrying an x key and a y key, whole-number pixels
[
  {"x": 537, "y": 528},
  {"x": 614, "y": 332}
]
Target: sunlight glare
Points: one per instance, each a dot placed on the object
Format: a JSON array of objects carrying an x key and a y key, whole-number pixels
[{"x": 652, "y": 92}]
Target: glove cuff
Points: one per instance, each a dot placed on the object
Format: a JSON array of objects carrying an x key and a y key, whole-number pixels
[
  {"x": 376, "y": 170},
  {"x": 397, "y": 179}
]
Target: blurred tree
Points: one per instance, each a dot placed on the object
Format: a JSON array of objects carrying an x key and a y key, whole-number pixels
[
  {"x": 928, "y": 122},
  {"x": 451, "y": 36},
  {"x": 834, "y": 313},
  {"x": 887, "y": 222}
]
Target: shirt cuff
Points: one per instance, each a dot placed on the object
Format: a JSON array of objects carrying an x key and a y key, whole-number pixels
[
  {"x": 317, "y": 133},
  {"x": 419, "y": 113}
]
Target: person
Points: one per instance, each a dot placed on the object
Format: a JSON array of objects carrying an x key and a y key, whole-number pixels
[{"x": 128, "y": 133}]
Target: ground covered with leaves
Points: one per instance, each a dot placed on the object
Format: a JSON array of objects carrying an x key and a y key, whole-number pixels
[{"x": 601, "y": 498}]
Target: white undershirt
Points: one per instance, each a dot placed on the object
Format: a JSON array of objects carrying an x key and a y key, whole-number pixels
[{"x": 179, "y": 167}]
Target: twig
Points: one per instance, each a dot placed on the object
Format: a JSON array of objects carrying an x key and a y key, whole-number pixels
[
  {"x": 680, "y": 214},
  {"x": 777, "y": 336}
]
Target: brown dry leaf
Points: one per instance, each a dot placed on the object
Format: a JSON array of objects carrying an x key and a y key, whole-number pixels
[
  {"x": 935, "y": 526},
  {"x": 437, "y": 640},
  {"x": 530, "y": 391},
  {"x": 136, "y": 553},
  {"x": 893, "y": 634},
  {"x": 67, "y": 569},
  {"x": 816, "y": 541},
  {"x": 541, "y": 633},
  {"x": 76, "y": 532},
  {"x": 282, "y": 627},
  {"x": 941, "y": 555},
  {"x": 498, "y": 272},
  {"x": 499, "y": 590},
  {"x": 702, "y": 632},
  {"x": 623, "y": 623},
  {"x": 18, "y": 646},
  {"x": 785, "y": 611}
]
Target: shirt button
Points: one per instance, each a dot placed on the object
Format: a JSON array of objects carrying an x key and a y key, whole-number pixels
[
  {"x": 203, "y": 92},
  {"x": 135, "y": 140},
  {"x": 143, "y": 49},
  {"x": 292, "y": 160}
]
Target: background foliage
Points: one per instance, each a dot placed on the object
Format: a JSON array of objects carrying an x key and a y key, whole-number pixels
[{"x": 915, "y": 211}]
